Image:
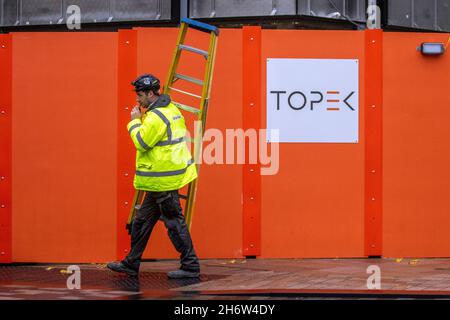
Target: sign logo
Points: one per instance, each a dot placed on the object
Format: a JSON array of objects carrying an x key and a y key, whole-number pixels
[
  {"x": 305, "y": 100},
  {"x": 313, "y": 100}
]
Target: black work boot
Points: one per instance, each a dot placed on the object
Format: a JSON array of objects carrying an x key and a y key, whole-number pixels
[
  {"x": 179, "y": 274},
  {"x": 120, "y": 267}
]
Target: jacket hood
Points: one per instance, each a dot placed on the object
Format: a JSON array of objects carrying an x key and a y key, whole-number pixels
[{"x": 163, "y": 101}]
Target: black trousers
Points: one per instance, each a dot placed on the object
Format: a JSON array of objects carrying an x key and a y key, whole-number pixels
[{"x": 164, "y": 205}]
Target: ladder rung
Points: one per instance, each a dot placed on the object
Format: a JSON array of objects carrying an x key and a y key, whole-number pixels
[
  {"x": 187, "y": 78},
  {"x": 188, "y": 93},
  {"x": 201, "y": 26},
  {"x": 195, "y": 50},
  {"x": 186, "y": 108}
]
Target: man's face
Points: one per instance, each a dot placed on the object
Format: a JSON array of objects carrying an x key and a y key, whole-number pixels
[{"x": 144, "y": 99}]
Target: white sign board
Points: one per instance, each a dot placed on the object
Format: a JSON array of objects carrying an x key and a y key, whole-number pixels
[{"x": 313, "y": 100}]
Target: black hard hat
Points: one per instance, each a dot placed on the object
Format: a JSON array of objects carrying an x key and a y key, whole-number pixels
[{"x": 146, "y": 82}]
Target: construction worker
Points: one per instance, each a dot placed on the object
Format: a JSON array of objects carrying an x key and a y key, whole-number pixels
[{"x": 163, "y": 165}]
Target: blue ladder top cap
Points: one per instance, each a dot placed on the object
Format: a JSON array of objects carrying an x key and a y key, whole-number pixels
[{"x": 201, "y": 26}]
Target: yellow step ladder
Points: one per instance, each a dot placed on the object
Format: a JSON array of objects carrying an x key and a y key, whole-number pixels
[{"x": 200, "y": 112}]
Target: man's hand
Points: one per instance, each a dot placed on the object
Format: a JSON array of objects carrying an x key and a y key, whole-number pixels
[{"x": 135, "y": 113}]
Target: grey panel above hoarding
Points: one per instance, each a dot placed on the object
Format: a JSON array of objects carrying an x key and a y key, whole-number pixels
[
  {"x": 356, "y": 9},
  {"x": 424, "y": 14},
  {"x": 337, "y": 9},
  {"x": 400, "y": 13},
  {"x": 40, "y": 12},
  {"x": 443, "y": 15},
  {"x": 420, "y": 14},
  {"x": 132, "y": 10},
  {"x": 9, "y": 13},
  {"x": 47, "y": 12},
  {"x": 91, "y": 11},
  {"x": 322, "y": 8},
  {"x": 240, "y": 8}
]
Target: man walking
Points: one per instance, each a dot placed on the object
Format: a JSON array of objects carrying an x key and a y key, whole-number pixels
[{"x": 163, "y": 166}]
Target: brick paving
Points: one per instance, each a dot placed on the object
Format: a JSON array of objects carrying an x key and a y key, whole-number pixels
[{"x": 232, "y": 278}]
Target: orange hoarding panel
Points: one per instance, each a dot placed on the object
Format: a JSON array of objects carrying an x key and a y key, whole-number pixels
[
  {"x": 5, "y": 148},
  {"x": 314, "y": 206},
  {"x": 64, "y": 147},
  {"x": 68, "y": 97},
  {"x": 126, "y": 99},
  {"x": 373, "y": 101},
  {"x": 251, "y": 110},
  {"x": 416, "y": 148}
]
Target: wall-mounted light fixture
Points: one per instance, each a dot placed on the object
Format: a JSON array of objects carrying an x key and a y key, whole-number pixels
[{"x": 432, "y": 48}]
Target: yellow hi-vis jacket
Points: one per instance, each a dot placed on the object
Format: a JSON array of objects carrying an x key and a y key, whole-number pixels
[{"x": 163, "y": 160}]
